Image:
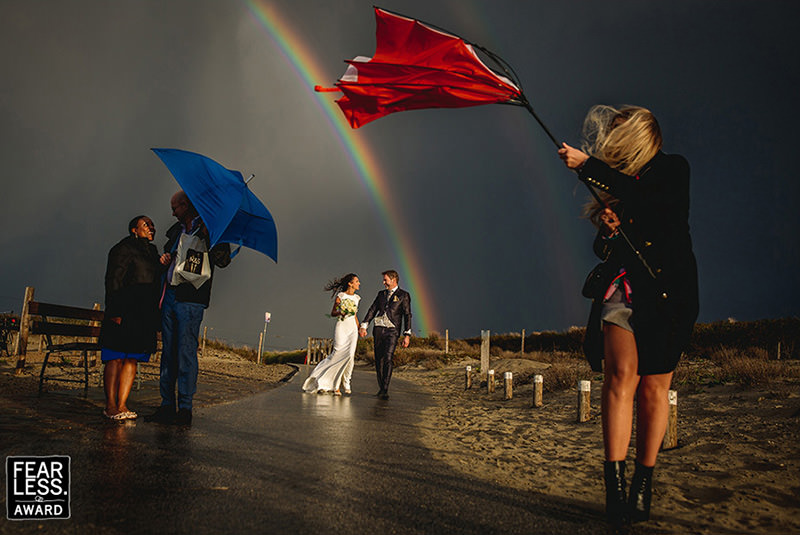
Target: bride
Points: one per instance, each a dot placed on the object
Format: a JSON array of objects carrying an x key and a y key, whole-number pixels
[{"x": 337, "y": 368}]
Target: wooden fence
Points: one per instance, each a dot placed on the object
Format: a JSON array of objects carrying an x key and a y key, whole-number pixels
[{"x": 318, "y": 349}]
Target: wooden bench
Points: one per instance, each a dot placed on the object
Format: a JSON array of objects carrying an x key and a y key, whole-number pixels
[
  {"x": 49, "y": 320},
  {"x": 60, "y": 320}
]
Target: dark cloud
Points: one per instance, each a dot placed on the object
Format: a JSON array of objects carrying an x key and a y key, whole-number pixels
[{"x": 89, "y": 87}]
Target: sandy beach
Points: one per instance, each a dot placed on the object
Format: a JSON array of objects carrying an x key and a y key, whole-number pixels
[{"x": 736, "y": 468}]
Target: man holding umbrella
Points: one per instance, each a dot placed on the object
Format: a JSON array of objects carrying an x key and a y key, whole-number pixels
[
  {"x": 187, "y": 292},
  {"x": 214, "y": 209}
]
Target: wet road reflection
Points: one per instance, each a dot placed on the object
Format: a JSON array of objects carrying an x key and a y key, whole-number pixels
[{"x": 285, "y": 461}]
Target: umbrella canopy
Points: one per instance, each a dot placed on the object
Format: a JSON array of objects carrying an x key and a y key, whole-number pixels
[
  {"x": 231, "y": 212},
  {"x": 416, "y": 66}
]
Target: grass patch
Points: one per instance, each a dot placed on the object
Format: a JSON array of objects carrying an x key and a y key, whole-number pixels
[
  {"x": 751, "y": 366},
  {"x": 715, "y": 356},
  {"x": 243, "y": 351},
  {"x": 565, "y": 376},
  {"x": 297, "y": 356},
  {"x": 748, "y": 367}
]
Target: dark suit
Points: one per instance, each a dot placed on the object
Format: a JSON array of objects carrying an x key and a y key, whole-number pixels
[{"x": 398, "y": 310}]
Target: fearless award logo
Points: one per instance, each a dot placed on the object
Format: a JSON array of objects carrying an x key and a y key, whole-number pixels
[{"x": 37, "y": 488}]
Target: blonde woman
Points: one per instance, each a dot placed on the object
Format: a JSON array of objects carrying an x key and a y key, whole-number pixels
[{"x": 642, "y": 321}]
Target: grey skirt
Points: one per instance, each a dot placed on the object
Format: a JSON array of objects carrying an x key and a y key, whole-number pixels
[{"x": 617, "y": 312}]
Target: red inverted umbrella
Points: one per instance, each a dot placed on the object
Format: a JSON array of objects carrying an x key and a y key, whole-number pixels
[{"x": 416, "y": 66}]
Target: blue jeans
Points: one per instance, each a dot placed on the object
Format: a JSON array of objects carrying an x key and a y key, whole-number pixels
[{"x": 180, "y": 327}]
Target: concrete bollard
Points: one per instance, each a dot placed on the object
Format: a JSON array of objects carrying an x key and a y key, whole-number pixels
[
  {"x": 490, "y": 382},
  {"x": 671, "y": 436},
  {"x": 538, "y": 383},
  {"x": 508, "y": 379},
  {"x": 584, "y": 406},
  {"x": 468, "y": 378}
]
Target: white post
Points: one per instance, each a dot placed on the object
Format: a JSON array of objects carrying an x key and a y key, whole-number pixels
[
  {"x": 468, "y": 379},
  {"x": 490, "y": 382},
  {"x": 508, "y": 385},
  {"x": 538, "y": 383},
  {"x": 584, "y": 407},
  {"x": 267, "y": 317},
  {"x": 446, "y": 341},
  {"x": 671, "y": 436}
]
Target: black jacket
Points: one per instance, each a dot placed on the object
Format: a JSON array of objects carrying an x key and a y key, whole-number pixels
[
  {"x": 219, "y": 255},
  {"x": 397, "y": 309},
  {"x": 133, "y": 276},
  {"x": 655, "y": 216}
]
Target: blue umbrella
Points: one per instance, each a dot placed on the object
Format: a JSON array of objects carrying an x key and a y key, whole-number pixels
[{"x": 232, "y": 213}]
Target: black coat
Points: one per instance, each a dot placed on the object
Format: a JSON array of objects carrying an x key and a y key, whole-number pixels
[
  {"x": 655, "y": 216},
  {"x": 397, "y": 309},
  {"x": 133, "y": 283}
]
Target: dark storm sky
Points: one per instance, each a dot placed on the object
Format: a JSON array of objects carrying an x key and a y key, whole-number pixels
[{"x": 89, "y": 86}]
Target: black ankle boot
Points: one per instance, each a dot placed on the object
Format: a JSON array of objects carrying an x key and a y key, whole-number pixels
[
  {"x": 616, "y": 503},
  {"x": 641, "y": 493}
]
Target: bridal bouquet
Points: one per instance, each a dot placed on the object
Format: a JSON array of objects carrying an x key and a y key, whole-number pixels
[{"x": 347, "y": 308}]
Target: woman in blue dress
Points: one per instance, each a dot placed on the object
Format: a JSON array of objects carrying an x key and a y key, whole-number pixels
[{"x": 132, "y": 319}]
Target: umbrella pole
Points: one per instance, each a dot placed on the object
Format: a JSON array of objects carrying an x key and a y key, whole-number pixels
[
  {"x": 544, "y": 126},
  {"x": 594, "y": 194}
]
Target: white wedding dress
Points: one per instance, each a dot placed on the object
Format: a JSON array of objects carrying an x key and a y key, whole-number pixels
[{"x": 337, "y": 368}]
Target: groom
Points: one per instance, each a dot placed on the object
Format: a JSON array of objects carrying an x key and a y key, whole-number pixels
[{"x": 390, "y": 310}]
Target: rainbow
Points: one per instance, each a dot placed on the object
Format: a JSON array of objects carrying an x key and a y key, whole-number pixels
[{"x": 361, "y": 156}]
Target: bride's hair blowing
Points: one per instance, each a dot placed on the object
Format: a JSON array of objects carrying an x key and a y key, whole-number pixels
[{"x": 340, "y": 285}]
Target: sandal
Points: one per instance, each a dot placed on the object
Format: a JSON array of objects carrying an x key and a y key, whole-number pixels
[
  {"x": 337, "y": 393},
  {"x": 129, "y": 415}
]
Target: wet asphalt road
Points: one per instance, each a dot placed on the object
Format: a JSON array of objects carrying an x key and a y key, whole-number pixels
[{"x": 287, "y": 462}]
